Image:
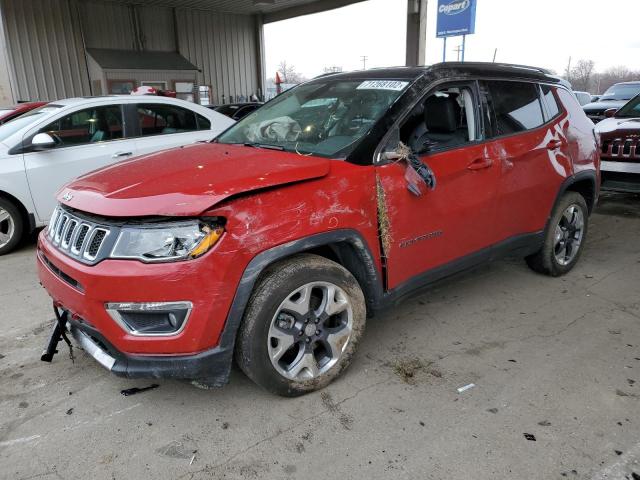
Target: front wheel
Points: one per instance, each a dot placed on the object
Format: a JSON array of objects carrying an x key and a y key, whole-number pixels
[
  {"x": 11, "y": 226},
  {"x": 564, "y": 237},
  {"x": 302, "y": 325}
]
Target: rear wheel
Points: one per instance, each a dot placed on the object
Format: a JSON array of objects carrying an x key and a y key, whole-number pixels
[
  {"x": 302, "y": 325},
  {"x": 564, "y": 237},
  {"x": 11, "y": 226}
]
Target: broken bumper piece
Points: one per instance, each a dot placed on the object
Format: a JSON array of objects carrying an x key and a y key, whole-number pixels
[{"x": 211, "y": 367}]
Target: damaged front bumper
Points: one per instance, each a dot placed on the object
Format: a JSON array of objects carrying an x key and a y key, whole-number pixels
[{"x": 211, "y": 367}]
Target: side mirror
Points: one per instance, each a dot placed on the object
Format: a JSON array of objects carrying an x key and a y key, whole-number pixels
[
  {"x": 42, "y": 141},
  {"x": 610, "y": 113}
]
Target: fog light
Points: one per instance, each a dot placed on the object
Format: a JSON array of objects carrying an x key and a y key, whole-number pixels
[{"x": 150, "y": 319}]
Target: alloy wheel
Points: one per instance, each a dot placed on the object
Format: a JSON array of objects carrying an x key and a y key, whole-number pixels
[
  {"x": 7, "y": 227},
  {"x": 569, "y": 234},
  {"x": 310, "y": 331}
]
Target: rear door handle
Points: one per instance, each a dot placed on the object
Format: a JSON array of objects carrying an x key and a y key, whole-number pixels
[
  {"x": 121, "y": 154},
  {"x": 554, "y": 145},
  {"x": 480, "y": 163}
]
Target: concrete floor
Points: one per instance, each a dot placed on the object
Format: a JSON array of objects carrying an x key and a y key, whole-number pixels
[{"x": 555, "y": 358}]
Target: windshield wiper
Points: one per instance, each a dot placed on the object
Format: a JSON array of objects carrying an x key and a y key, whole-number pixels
[{"x": 265, "y": 145}]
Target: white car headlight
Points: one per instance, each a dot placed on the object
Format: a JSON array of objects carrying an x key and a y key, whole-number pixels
[{"x": 166, "y": 242}]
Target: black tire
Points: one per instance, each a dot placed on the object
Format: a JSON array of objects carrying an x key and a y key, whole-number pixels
[
  {"x": 277, "y": 284},
  {"x": 12, "y": 226},
  {"x": 545, "y": 260}
]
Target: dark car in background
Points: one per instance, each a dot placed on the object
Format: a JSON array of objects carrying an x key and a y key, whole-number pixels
[
  {"x": 615, "y": 97},
  {"x": 620, "y": 139},
  {"x": 237, "y": 111},
  {"x": 9, "y": 113}
]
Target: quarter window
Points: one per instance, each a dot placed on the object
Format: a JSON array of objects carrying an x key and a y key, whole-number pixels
[
  {"x": 92, "y": 125},
  {"x": 516, "y": 106},
  {"x": 161, "y": 119},
  {"x": 203, "y": 123},
  {"x": 550, "y": 101}
]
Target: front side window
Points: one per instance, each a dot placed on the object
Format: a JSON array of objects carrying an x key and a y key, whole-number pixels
[
  {"x": 516, "y": 107},
  {"x": 328, "y": 117},
  {"x": 631, "y": 109},
  {"x": 445, "y": 119},
  {"x": 91, "y": 125},
  {"x": 161, "y": 119}
]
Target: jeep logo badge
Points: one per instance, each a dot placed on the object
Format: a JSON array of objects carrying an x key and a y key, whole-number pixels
[
  {"x": 455, "y": 7},
  {"x": 67, "y": 197}
]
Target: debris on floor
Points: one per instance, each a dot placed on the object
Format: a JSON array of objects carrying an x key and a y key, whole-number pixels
[
  {"x": 466, "y": 387},
  {"x": 70, "y": 411},
  {"x": 530, "y": 436},
  {"x": 135, "y": 390}
]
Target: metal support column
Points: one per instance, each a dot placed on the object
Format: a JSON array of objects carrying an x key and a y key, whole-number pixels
[{"x": 416, "y": 32}]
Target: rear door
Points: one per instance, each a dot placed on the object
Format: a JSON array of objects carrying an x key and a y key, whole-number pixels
[
  {"x": 86, "y": 139},
  {"x": 456, "y": 218},
  {"x": 163, "y": 125},
  {"x": 529, "y": 145}
]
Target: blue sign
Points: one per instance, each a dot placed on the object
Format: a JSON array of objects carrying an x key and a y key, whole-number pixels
[{"x": 456, "y": 17}]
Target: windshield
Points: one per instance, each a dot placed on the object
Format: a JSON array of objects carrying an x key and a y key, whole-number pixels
[
  {"x": 4, "y": 111},
  {"x": 325, "y": 118},
  {"x": 631, "y": 109},
  {"x": 621, "y": 92},
  {"x": 9, "y": 128}
]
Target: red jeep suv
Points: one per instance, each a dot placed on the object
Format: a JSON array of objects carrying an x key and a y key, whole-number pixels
[{"x": 274, "y": 242}]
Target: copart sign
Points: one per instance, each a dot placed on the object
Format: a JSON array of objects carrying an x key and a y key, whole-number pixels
[{"x": 456, "y": 17}]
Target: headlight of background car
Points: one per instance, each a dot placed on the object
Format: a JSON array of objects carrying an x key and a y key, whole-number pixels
[{"x": 167, "y": 242}]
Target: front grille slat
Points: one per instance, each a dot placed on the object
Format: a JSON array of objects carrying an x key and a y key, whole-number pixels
[
  {"x": 78, "y": 237},
  {"x": 621, "y": 149}
]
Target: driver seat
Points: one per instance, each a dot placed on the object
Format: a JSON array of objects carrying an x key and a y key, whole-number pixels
[{"x": 441, "y": 126}]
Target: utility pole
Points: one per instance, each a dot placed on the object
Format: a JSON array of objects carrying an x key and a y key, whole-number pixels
[
  {"x": 458, "y": 50},
  {"x": 364, "y": 59},
  {"x": 569, "y": 70},
  {"x": 495, "y": 52}
]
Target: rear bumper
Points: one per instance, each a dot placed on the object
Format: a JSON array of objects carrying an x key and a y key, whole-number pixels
[{"x": 212, "y": 365}]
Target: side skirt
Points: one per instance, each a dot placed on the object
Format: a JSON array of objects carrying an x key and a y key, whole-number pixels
[{"x": 521, "y": 245}]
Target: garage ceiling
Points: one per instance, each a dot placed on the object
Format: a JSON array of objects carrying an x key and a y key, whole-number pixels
[{"x": 273, "y": 10}]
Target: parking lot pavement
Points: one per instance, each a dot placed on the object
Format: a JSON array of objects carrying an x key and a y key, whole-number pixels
[{"x": 557, "y": 359}]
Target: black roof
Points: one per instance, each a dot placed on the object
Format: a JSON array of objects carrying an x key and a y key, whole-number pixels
[{"x": 475, "y": 68}]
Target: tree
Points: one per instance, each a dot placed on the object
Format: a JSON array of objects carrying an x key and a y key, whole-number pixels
[
  {"x": 614, "y": 75},
  {"x": 581, "y": 75},
  {"x": 289, "y": 73}
]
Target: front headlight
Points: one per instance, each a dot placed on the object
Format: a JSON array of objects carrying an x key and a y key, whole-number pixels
[{"x": 167, "y": 242}]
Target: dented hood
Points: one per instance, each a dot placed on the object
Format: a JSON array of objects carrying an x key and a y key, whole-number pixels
[{"x": 186, "y": 181}]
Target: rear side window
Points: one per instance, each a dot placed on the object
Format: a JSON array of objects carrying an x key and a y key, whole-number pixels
[
  {"x": 553, "y": 110},
  {"x": 161, "y": 119},
  {"x": 516, "y": 107},
  {"x": 92, "y": 125}
]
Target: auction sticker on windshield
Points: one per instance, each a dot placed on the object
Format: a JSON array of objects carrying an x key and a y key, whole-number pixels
[{"x": 395, "y": 85}]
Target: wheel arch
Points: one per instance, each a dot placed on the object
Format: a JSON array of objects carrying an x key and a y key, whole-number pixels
[
  {"x": 28, "y": 218},
  {"x": 585, "y": 183},
  {"x": 346, "y": 247}
]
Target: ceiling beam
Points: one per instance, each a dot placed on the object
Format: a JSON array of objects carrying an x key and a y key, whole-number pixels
[{"x": 307, "y": 9}]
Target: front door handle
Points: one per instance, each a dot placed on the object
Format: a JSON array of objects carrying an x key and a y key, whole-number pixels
[
  {"x": 480, "y": 163},
  {"x": 121, "y": 154}
]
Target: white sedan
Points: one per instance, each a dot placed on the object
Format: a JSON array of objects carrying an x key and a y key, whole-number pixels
[{"x": 47, "y": 147}]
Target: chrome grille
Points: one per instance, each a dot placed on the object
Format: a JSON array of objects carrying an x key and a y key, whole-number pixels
[
  {"x": 80, "y": 238},
  {"x": 621, "y": 149}
]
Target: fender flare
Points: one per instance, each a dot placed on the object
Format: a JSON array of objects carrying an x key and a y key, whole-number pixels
[
  {"x": 372, "y": 286},
  {"x": 589, "y": 175}
]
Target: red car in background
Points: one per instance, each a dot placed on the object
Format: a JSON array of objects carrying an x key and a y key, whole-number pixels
[
  {"x": 274, "y": 243},
  {"x": 10, "y": 113}
]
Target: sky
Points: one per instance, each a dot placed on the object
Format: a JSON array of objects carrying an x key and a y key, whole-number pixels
[{"x": 542, "y": 33}]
